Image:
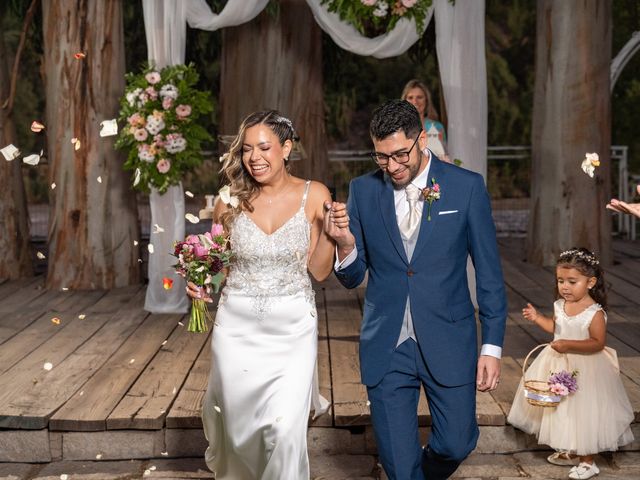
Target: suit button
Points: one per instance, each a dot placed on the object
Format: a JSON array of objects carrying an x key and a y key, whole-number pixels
[{"x": 410, "y": 273}]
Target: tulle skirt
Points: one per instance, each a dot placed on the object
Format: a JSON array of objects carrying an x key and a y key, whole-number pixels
[
  {"x": 594, "y": 419},
  {"x": 256, "y": 408}
]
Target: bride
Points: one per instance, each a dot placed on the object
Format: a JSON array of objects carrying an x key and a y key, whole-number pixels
[{"x": 264, "y": 341}]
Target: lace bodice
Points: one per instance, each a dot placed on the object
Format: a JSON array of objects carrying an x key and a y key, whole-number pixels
[
  {"x": 573, "y": 327},
  {"x": 266, "y": 267}
]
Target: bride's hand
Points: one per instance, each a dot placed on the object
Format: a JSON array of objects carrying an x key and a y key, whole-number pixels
[
  {"x": 197, "y": 293},
  {"x": 336, "y": 224}
]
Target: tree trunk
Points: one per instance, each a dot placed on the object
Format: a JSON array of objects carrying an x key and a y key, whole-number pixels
[
  {"x": 92, "y": 224},
  {"x": 277, "y": 63},
  {"x": 15, "y": 251},
  {"x": 571, "y": 116}
]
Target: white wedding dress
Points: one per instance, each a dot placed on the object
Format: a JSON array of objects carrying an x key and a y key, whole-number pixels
[{"x": 264, "y": 345}]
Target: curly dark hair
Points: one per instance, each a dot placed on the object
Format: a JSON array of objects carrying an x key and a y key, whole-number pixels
[
  {"x": 588, "y": 265},
  {"x": 395, "y": 116}
]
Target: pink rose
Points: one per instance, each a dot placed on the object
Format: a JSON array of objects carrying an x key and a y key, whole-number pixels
[
  {"x": 167, "y": 103},
  {"x": 192, "y": 240},
  {"x": 136, "y": 119},
  {"x": 159, "y": 141},
  {"x": 183, "y": 111},
  {"x": 369, "y": 3},
  {"x": 436, "y": 187},
  {"x": 152, "y": 77},
  {"x": 409, "y": 3},
  {"x": 216, "y": 229},
  {"x": 140, "y": 134},
  {"x": 200, "y": 251},
  {"x": 153, "y": 94},
  {"x": 163, "y": 165}
]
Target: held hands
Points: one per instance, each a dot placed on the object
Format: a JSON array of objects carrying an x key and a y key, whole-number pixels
[
  {"x": 530, "y": 313},
  {"x": 624, "y": 207},
  {"x": 336, "y": 225},
  {"x": 198, "y": 293},
  {"x": 488, "y": 373}
]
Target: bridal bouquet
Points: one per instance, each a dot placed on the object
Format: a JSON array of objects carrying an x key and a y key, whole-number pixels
[
  {"x": 202, "y": 260},
  {"x": 161, "y": 110},
  {"x": 376, "y": 17}
]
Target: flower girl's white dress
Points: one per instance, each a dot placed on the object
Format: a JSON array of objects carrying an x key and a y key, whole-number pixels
[
  {"x": 594, "y": 419},
  {"x": 264, "y": 345}
]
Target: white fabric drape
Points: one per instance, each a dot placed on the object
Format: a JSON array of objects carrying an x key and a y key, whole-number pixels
[
  {"x": 391, "y": 44},
  {"x": 460, "y": 43}
]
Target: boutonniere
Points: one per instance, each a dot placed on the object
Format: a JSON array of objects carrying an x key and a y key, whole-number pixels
[{"x": 430, "y": 195}]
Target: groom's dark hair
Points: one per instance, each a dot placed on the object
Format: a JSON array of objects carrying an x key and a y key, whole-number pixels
[{"x": 394, "y": 116}]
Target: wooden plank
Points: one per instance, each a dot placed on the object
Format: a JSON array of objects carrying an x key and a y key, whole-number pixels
[
  {"x": 147, "y": 402},
  {"x": 118, "y": 299},
  {"x": 27, "y": 376},
  {"x": 633, "y": 392},
  {"x": 324, "y": 362},
  {"x": 510, "y": 375},
  {"x": 13, "y": 323},
  {"x": 187, "y": 409},
  {"x": 517, "y": 341},
  {"x": 349, "y": 395},
  {"x": 488, "y": 411},
  {"x": 20, "y": 293},
  {"x": 89, "y": 408},
  {"x": 34, "y": 407}
]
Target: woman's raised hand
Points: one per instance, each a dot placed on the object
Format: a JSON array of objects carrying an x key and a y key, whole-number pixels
[{"x": 197, "y": 293}]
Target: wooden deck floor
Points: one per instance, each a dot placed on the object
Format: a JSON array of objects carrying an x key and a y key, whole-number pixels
[{"x": 116, "y": 368}]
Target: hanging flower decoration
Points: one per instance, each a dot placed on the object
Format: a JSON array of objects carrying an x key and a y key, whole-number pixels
[
  {"x": 376, "y": 17},
  {"x": 161, "y": 109}
]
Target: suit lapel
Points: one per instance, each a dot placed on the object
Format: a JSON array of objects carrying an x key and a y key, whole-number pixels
[
  {"x": 387, "y": 209},
  {"x": 426, "y": 226}
]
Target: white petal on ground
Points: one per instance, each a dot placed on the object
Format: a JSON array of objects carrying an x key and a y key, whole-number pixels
[
  {"x": 33, "y": 159},
  {"x": 82, "y": 316},
  {"x": 192, "y": 218},
  {"x": 150, "y": 247},
  {"x": 131, "y": 361},
  {"x": 108, "y": 128},
  {"x": 181, "y": 324},
  {"x": 48, "y": 366},
  {"x": 10, "y": 152},
  {"x": 64, "y": 476},
  {"x": 164, "y": 454}
]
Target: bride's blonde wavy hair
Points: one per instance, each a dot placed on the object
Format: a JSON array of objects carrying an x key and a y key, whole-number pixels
[{"x": 233, "y": 172}]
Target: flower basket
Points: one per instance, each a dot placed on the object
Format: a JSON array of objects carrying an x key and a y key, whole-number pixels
[{"x": 538, "y": 392}]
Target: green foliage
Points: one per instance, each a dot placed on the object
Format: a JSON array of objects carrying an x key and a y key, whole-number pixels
[
  {"x": 163, "y": 144},
  {"x": 374, "y": 18}
]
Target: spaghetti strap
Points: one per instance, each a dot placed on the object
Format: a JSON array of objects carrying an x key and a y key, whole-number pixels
[{"x": 306, "y": 193}]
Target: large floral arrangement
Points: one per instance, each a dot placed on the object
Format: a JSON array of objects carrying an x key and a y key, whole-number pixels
[
  {"x": 202, "y": 259},
  {"x": 161, "y": 109},
  {"x": 376, "y": 17}
]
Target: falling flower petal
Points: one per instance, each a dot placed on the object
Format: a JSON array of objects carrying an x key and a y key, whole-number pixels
[
  {"x": 192, "y": 218},
  {"x": 227, "y": 198},
  {"x": 64, "y": 289},
  {"x": 99, "y": 179},
  {"x": 152, "y": 468},
  {"x": 82, "y": 316},
  {"x": 136, "y": 179},
  {"x": 167, "y": 283},
  {"x": 53, "y": 185},
  {"x": 368, "y": 403},
  {"x": 164, "y": 454},
  {"x": 173, "y": 392},
  {"x": 76, "y": 143},
  {"x": 217, "y": 409},
  {"x": 55, "y": 320},
  {"x": 147, "y": 472},
  {"x": 81, "y": 393},
  {"x": 48, "y": 366},
  {"x": 36, "y": 127},
  {"x": 10, "y": 152},
  {"x": 131, "y": 361},
  {"x": 157, "y": 228},
  {"x": 181, "y": 324},
  {"x": 150, "y": 247},
  {"x": 188, "y": 194},
  {"x": 588, "y": 168},
  {"x": 139, "y": 260},
  {"x": 64, "y": 476},
  {"x": 98, "y": 456},
  {"x": 164, "y": 343},
  {"x": 33, "y": 159},
  {"x": 79, "y": 55},
  {"x": 108, "y": 128},
  {"x": 40, "y": 255},
  {"x": 135, "y": 243}
]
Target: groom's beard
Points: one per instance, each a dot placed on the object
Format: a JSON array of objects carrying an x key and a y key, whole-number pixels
[{"x": 413, "y": 173}]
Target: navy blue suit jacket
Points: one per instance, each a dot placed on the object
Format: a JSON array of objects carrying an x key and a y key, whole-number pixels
[{"x": 435, "y": 279}]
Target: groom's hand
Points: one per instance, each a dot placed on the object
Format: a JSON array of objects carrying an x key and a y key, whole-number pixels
[
  {"x": 336, "y": 225},
  {"x": 488, "y": 374}
]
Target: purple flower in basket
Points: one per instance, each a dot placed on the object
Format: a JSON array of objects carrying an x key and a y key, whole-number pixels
[{"x": 563, "y": 383}]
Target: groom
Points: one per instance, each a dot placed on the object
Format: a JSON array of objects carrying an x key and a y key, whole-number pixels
[{"x": 413, "y": 223}]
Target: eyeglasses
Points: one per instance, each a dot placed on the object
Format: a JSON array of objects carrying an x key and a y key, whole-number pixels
[{"x": 382, "y": 159}]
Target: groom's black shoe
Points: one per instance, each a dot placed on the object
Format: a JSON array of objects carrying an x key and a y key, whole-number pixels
[{"x": 436, "y": 467}]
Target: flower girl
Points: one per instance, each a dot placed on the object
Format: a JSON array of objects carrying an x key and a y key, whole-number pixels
[{"x": 596, "y": 417}]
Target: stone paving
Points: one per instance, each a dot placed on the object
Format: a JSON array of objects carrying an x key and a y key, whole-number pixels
[{"x": 531, "y": 465}]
